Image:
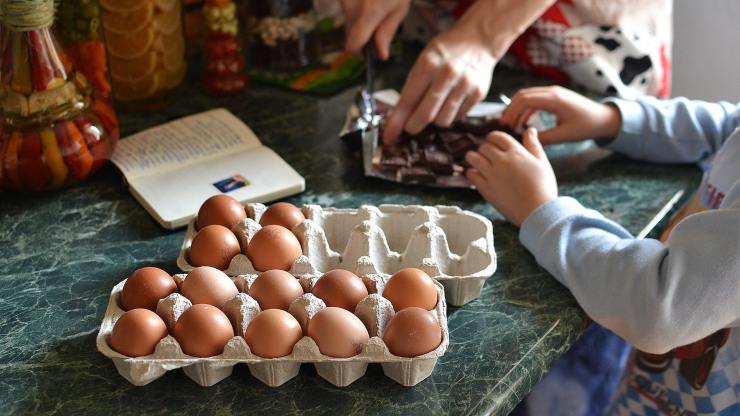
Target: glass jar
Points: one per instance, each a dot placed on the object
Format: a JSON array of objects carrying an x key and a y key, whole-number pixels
[
  {"x": 146, "y": 51},
  {"x": 78, "y": 26},
  {"x": 281, "y": 34},
  {"x": 54, "y": 131},
  {"x": 224, "y": 73}
]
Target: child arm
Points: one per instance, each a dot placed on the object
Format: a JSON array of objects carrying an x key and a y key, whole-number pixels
[
  {"x": 673, "y": 131},
  {"x": 677, "y": 130},
  {"x": 656, "y": 297}
]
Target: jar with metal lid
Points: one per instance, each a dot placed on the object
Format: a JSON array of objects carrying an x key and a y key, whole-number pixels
[{"x": 54, "y": 131}]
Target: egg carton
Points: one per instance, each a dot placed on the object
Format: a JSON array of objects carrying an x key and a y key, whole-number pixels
[
  {"x": 374, "y": 311},
  {"x": 453, "y": 246}
]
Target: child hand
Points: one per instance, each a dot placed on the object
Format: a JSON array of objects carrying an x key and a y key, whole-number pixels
[
  {"x": 578, "y": 118},
  {"x": 516, "y": 179}
]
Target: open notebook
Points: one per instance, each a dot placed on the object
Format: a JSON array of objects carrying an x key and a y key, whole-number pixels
[{"x": 172, "y": 168}]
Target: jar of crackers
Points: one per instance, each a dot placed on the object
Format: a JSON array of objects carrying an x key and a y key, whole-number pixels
[{"x": 146, "y": 51}]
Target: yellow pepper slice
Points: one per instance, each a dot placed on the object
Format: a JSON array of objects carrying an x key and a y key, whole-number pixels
[{"x": 54, "y": 159}]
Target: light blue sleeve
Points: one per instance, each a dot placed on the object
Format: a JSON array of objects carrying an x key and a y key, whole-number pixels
[
  {"x": 673, "y": 131},
  {"x": 655, "y": 296}
]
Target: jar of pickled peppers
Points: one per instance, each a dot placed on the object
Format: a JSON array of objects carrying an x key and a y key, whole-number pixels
[
  {"x": 53, "y": 130},
  {"x": 78, "y": 26}
]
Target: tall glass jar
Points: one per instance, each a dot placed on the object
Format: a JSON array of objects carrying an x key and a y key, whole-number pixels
[
  {"x": 281, "y": 34},
  {"x": 146, "y": 51},
  {"x": 224, "y": 73},
  {"x": 78, "y": 26},
  {"x": 54, "y": 131}
]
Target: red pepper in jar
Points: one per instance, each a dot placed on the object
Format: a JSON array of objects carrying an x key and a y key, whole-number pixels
[
  {"x": 31, "y": 162},
  {"x": 7, "y": 63},
  {"x": 110, "y": 123},
  {"x": 42, "y": 73},
  {"x": 69, "y": 155},
  {"x": 83, "y": 156},
  {"x": 20, "y": 80},
  {"x": 92, "y": 54},
  {"x": 11, "y": 159},
  {"x": 3, "y": 147},
  {"x": 94, "y": 141}
]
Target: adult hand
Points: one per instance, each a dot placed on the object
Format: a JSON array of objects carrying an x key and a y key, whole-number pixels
[
  {"x": 578, "y": 118},
  {"x": 515, "y": 178},
  {"x": 373, "y": 19},
  {"x": 451, "y": 75}
]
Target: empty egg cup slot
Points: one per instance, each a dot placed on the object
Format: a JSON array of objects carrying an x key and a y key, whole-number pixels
[{"x": 446, "y": 242}]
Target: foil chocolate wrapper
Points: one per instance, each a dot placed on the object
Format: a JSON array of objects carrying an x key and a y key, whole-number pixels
[{"x": 436, "y": 156}]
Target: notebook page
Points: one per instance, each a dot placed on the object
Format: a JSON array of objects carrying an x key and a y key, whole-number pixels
[{"x": 182, "y": 143}]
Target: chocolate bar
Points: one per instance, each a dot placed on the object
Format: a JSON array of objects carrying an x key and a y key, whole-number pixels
[{"x": 436, "y": 155}]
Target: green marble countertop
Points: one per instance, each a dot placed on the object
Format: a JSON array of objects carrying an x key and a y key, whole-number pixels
[{"x": 61, "y": 253}]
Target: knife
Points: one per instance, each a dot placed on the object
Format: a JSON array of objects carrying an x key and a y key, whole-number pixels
[
  {"x": 369, "y": 53},
  {"x": 362, "y": 115}
]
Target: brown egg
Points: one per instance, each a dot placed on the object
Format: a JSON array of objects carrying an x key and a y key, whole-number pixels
[
  {"x": 273, "y": 333},
  {"x": 284, "y": 214},
  {"x": 208, "y": 285},
  {"x": 203, "y": 331},
  {"x": 411, "y": 287},
  {"x": 273, "y": 247},
  {"x": 412, "y": 332},
  {"x": 338, "y": 332},
  {"x": 145, "y": 287},
  {"x": 275, "y": 289},
  {"x": 340, "y": 288},
  {"x": 214, "y": 246},
  {"x": 220, "y": 210},
  {"x": 137, "y": 333}
]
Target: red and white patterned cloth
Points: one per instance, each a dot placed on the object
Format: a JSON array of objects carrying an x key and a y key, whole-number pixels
[{"x": 619, "y": 47}]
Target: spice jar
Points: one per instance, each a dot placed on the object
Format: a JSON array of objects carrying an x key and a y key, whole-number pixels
[
  {"x": 54, "y": 131},
  {"x": 224, "y": 72},
  {"x": 281, "y": 34},
  {"x": 146, "y": 50}
]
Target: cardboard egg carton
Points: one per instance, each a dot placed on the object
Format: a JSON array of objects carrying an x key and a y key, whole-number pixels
[
  {"x": 453, "y": 246},
  {"x": 374, "y": 311}
]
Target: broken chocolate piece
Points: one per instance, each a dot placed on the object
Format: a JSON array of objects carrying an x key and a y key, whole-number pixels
[
  {"x": 393, "y": 151},
  {"x": 393, "y": 158},
  {"x": 437, "y": 161},
  {"x": 481, "y": 126},
  {"x": 448, "y": 136},
  {"x": 427, "y": 135},
  {"x": 416, "y": 174},
  {"x": 463, "y": 145},
  {"x": 394, "y": 163}
]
